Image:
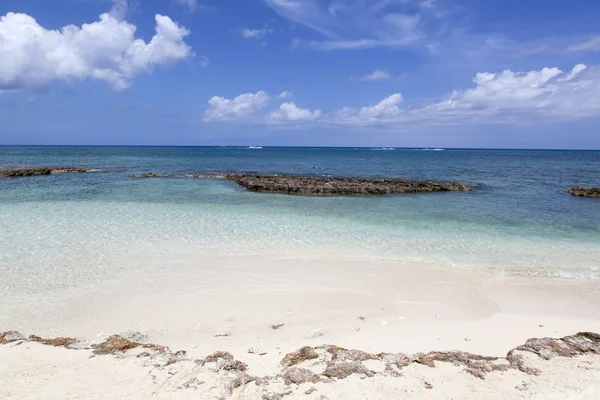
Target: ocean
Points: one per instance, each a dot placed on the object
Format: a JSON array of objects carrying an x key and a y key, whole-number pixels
[{"x": 67, "y": 230}]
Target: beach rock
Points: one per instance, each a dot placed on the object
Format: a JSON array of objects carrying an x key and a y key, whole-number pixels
[
  {"x": 569, "y": 346},
  {"x": 14, "y": 172},
  {"x": 341, "y": 354},
  {"x": 56, "y": 342},
  {"x": 303, "y": 185},
  {"x": 299, "y": 376},
  {"x": 114, "y": 344},
  {"x": 150, "y": 175},
  {"x": 218, "y": 355},
  {"x": 134, "y": 335},
  {"x": 10, "y": 336},
  {"x": 304, "y": 354},
  {"x": 345, "y": 369},
  {"x": 581, "y": 192}
]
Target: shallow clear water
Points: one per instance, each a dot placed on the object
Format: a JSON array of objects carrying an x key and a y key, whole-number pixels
[{"x": 65, "y": 229}]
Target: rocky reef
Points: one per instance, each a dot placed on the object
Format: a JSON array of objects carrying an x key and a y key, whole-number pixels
[
  {"x": 150, "y": 175},
  {"x": 581, "y": 192},
  {"x": 323, "y": 186},
  {"x": 13, "y": 172}
]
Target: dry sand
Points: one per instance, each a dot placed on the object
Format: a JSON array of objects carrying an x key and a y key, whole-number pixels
[{"x": 202, "y": 305}]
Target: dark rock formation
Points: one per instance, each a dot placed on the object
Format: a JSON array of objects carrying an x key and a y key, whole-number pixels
[
  {"x": 581, "y": 192},
  {"x": 204, "y": 176},
  {"x": 33, "y": 171},
  {"x": 305, "y": 353},
  {"x": 340, "y": 363},
  {"x": 299, "y": 376},
  {"x": 10, "y": 336},
  {"x": 338, "y": 186},
  {"x": 342, "y": 370},
  {"x": 115, "y": 344},
  {"x": 569, "y": 346},
  {"x": 150, "y": 175},
  {"x": 56, "y": 342}
]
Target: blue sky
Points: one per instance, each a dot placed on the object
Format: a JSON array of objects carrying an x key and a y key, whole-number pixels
[{"x": 442, "y": 73}]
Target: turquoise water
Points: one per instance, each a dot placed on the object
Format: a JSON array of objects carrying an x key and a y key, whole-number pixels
[{"x": 519, "y": 219}]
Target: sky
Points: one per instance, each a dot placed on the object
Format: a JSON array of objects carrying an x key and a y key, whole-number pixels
[{"x": 406, "y": 73}]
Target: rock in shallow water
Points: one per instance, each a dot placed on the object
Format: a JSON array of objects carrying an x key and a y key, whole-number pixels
[
  {"x": 338, "y": 186},
  {"x": 581, "y": 192},
  {"x": 150, "y": 175},
  {"x": 14, "y": 172}
]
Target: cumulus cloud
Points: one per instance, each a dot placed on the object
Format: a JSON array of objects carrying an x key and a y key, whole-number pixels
[
  {"x": 34, "y": 57},
  {"x": 286, "y": 94},
  {"x": 544, "y": 95},
  {"x": 291, "y": 112},
  {"x": 377, "y": 75},
  {"x": 385, "y": 109},
  {"x": 255, "y": 33},
  {"x": 241, "y": 107}
]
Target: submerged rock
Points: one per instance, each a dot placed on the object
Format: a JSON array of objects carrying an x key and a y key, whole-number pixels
[
  {"x": 14, "y": 172},
  {"x": 338, "y": 186},
  {"x": 205, "y": 176},
  {"x": 150, "y": 175},
  {"x": 581, "y": 192}
]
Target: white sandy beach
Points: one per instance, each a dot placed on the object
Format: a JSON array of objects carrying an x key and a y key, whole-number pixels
[{"x": 233, "y": 304}]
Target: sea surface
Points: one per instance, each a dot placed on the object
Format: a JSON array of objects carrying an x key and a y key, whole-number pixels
[{"x": 69, "y": 229}]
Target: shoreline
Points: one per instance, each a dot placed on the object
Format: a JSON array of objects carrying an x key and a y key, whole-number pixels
[
  {"x": 260, "y": 308},
  {"x": 119, "y": 367}
]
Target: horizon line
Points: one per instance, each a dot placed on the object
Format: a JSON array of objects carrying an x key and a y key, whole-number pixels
[{"x": 298, "y": 147}]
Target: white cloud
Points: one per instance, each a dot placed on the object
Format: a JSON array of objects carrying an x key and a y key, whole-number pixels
[
  {"x": 377, "y": 75},
  {"x": 286, "y": 94},
  {"x": 243, "y": 106},
  {"x": 387, "y": 108},
  {"x": 291, "y": 112},
  {"x": 34, "y": 57},
  {"x": 354, "y": 24},
  {"x": 507, "y": 97},
  {"x": 255, "y": 33},
  {"x": 592, "y": 44},
  {"x": 543, "y": 96}
]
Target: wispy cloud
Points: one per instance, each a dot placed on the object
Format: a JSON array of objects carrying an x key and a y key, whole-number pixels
[
  {"x": 255, "y": 33},
  {"x": 192, "y": 5},
  {"x": 203, "y": 61},
  {"x": 592, "y": 44},
  {"x": 356, "y": 24},
  {"x": 286, "y": 94},
  {"x": 377, "y": 75}
]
